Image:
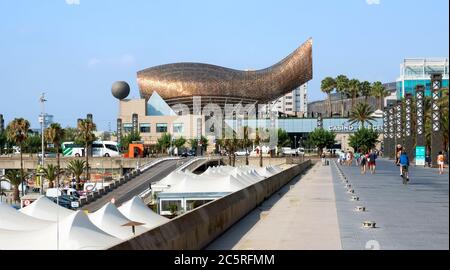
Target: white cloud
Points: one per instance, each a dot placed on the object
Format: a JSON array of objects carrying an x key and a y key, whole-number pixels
[
  {"x": 93, "y": 62},
  {"x": 73, "y": 2},
  {"x": 373, "y": 2}
]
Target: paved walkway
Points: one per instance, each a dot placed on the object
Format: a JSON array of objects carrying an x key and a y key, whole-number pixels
[
  {"x": 301, "y": 216},
  {"x": 415, "y": 216},
  {"x": 315, "y": 211}
]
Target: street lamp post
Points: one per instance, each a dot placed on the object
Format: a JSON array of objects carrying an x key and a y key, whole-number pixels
[
  {"x": 295, "y": 143},
  {"x": 42, "y": 121}
]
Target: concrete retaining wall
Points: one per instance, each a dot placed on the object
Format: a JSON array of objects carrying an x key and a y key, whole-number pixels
[{"x": 196, "y": 229}]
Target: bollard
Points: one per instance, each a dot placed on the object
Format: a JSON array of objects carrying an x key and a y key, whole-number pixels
[
  {"x": 360, "y": 209},
  {"x": 369, "y": 224}
]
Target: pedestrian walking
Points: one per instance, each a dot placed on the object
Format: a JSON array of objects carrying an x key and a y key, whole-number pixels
[
  {"x": 440, "y": 162},
  {"x": 372, "y": 161},
  {"x": 363, "y": 163}
]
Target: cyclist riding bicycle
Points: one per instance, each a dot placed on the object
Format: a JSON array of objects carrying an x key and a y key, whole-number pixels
[{"x": 404, "y": 164}]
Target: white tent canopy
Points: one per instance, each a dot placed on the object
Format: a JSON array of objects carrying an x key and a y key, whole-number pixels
[
  {"x": 110, "y": 220},
  {"x": 11, "y": 219},
  {"x": 136, "y": 210},
  {"x": 45, "y": 209},
  {"x": 75, "y": 232}
]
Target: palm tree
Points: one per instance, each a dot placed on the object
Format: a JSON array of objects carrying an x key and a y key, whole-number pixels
[
  {"x": 353, "y": 90},
  {"x": 341, "y": 88},
  {"x": 14, "y": 177},
  {"x": 246, "y": 142},
  {"x": 17, "y": 132},
  {"x": 86, "y": 135},
  {"x": 365, "y": 89},
  {"x": 327, "y": 86},
  {"x": 76, "y": 167},
  {"x": 51, "y": 173},
  {"x": 258, "y": 141},
  {"x": 362, "y": 113},
  {"x": 55, "y": 134},
  {"x": 380, "y": 92}
]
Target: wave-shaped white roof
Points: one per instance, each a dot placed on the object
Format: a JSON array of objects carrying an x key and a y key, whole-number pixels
[
  {"x": 76, "y": 232},
  {"x": 110, "y": 220},
  {"x": 136, "y": 210},
  {"x": 11, "y": 219},
  {"x": 44, "y": 208}
]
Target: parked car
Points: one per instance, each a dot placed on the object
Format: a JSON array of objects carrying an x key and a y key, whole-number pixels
[
  {"x": 242, "y": 153},
  {"x": 190, "y": 153},
  {"x": 67, "y": 201}
]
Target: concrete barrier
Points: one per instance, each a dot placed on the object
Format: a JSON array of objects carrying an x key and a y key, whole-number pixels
[
  {"x": 83, "y": 201},
  {"x": 196, "y": 229}
]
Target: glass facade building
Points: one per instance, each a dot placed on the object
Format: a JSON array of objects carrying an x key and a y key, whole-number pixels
[{"x": 415, "y": 72}]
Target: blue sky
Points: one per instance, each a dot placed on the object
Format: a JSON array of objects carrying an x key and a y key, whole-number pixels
[{"x": 75, "y": 49}]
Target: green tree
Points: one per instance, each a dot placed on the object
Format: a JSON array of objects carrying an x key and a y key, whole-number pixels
[
  {"x": 14, "y": 177},
  {"x": 17, "y": 132},
  {"x": 353, "y": 90},
  {"x": 76, "y": 167},
  {"x": 380, "y": 92},
  {"x": 129, "y": 138},
  {"x": 3, "y": 141},
  {"x": 203, "y": 141},
  {"x": 70, "y": 135},
  {"x": 51, "y": 172},
  {"x": 327, "y": 86},
  {"x": 164, "y": 142},
  {"x": 283, "y": 138},
  {"x": 322, "y": 138},
  {"x": 341, "y": 88},
  {"x": 246, "y": 142},
  {"x": 32, "y": 144},
  {"x": 365, "y": 89},
  {"x": 54, "y": 134},
  {"x": 364, "y": 139},
  {"x": 362, "y": 113},
  {"x": 179, "y": 142},
  {"x": 86, "y": 136}
]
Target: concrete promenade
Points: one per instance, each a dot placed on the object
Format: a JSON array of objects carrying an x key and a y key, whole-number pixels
[
  {"x": 301, "y": 216},
  {"x": 315, "y": 211}
]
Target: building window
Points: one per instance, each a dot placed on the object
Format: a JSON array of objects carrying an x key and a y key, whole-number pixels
[
  {"x": 127, "y": 127},
  {"x": 144, "y": 128},
  {"x": 161, "y": 128},
  {"x": 289, "y": 109},
  {"x": 174, "y": 205},
  {"x": 178, "y": 128},
  {"x": 288, "y": 103},
  {"x": 288, "y": 97}
]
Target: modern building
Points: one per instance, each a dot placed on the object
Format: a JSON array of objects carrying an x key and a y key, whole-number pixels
[
  {"x": 180, "y": 83},
  {"x": 418, "y": 71},
  {"x": 294, "y": 103}
]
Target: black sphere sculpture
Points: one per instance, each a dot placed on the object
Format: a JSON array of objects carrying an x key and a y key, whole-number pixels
[{"x": 120, "y": 90}]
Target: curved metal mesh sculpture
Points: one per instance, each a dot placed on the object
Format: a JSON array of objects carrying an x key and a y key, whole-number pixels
[{"x": 178, "y": 83}]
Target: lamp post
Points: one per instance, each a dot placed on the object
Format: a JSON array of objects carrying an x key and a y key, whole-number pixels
[
  {"x": 42, "y": 121},
  {"x": 295, "y": 142},
  {"x": 2, "y": 178}
]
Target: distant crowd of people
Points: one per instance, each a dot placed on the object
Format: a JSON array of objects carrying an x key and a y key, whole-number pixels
[{"x": 366, "y": 160}]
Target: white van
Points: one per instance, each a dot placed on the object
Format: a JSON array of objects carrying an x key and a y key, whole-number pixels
[
  {"x": 99, "y": 149},
  {"x": 54, "y": 192}
]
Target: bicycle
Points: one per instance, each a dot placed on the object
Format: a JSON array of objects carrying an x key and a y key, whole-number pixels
[{"x": 405, "y": 175}]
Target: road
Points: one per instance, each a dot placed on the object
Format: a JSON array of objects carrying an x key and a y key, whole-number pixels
[{"x": 135, "y": 186}]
